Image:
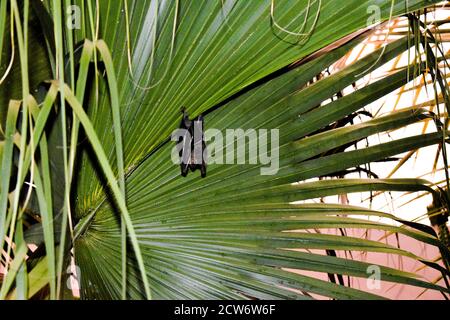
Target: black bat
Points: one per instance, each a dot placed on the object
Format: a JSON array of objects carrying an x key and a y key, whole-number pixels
[{"x": 193, "y": 153}]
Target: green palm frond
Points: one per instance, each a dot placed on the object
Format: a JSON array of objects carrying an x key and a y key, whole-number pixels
[{"x": 237, "y": 233}]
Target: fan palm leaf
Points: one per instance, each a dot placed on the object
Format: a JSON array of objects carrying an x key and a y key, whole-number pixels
[{"x": 235, "y": 234}]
